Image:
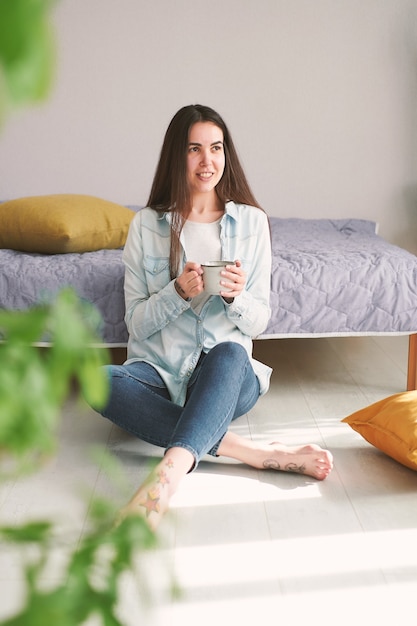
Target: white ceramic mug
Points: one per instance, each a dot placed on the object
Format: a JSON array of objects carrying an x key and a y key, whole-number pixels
[{"x": 212, "y": 277}]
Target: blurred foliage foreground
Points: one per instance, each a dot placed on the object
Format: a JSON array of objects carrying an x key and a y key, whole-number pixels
[
  {"x": 34, "y": 385},
  {"x": 27, "y": 52}
]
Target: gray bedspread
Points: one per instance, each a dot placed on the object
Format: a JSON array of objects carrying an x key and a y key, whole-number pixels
[
  {"x": 338, "y": 277},
  {"x": 98, "y": 277},
  {"x": 329, "y": 277}
]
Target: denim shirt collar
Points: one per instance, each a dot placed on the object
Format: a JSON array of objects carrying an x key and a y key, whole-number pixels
[{"x": 230, "y": 210}]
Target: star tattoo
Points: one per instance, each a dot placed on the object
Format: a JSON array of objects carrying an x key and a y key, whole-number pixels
[
  {"x": 152, "y": 501},
  {"x": 163, "y": 478}
]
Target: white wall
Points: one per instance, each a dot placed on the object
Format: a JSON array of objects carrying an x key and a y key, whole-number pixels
[{"x": 320, "y": 96}]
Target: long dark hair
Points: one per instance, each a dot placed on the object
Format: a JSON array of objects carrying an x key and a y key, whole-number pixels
[{"x": 170, "y": 190}]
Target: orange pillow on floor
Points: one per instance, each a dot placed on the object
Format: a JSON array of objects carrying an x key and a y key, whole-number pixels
[{"x": 391, "y": 426}]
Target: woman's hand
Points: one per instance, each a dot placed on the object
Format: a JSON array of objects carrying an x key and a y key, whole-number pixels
[
  {"x": 234, "y": 278},
  {"x": 190, "y": 283}
]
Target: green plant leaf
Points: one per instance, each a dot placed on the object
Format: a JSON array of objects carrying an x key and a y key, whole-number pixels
[
  {"x": 14, "y": 324},
  {"x": 38, "y": 532},
  {"x": 34, "y": 384},
  {"x": 27, "y": 49}
]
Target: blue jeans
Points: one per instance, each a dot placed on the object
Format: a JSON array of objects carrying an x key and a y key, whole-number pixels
[{"x": 222, "y": 388}]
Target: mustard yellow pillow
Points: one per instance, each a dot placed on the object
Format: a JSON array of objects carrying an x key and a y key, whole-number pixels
[
  {"x": 391, "y": 426},
  {"x": 63, "y": 223}
]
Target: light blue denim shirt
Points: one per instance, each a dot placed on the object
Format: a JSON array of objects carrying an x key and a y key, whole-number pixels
[{"x": 163, "y": 328}]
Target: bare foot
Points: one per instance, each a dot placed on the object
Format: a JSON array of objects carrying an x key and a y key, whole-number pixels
[{"x": 309, "y": 459}]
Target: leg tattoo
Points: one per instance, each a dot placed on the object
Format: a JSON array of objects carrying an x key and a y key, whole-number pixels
[
  {"x": 152, "y": 501},
  {"x": 153, "y": 496}
]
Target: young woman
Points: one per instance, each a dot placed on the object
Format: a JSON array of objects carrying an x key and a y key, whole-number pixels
[{"x": 190, "y": 370}]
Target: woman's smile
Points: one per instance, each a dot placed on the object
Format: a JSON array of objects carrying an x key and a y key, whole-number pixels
[{"x": 205, "y": 175}]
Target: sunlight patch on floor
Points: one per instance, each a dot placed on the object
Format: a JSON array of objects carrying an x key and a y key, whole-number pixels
[
  {"x": 297, "y": 562},
  {"x": 205, "y": 490}
]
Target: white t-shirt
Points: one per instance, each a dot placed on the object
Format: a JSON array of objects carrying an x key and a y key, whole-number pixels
[
  {"x": 202, "y": 244},
  {"x": 202, "y": 241}
]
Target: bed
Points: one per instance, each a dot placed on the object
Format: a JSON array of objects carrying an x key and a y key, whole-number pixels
[
  {"x": 330, "y": 278},
  {"x": 338, "y": 278}
]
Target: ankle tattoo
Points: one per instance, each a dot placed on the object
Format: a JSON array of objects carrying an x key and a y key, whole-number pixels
[
  {"x": 271, "y": 464},
  {"x": 293, "y": 467},
  {"x": 289, "y": 467}
]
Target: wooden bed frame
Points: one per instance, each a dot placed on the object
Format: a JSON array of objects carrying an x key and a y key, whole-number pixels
[
  {"x": 118, "y": 356},
  {"x": 412, "y": 363}
]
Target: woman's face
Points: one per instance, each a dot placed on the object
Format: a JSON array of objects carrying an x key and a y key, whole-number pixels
[{"x": 205, "y": 157}]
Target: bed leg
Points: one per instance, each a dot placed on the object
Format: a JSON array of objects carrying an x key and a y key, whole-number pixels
[
  {"x": 117, "y": 356},
  {"x": 412, "y": 363}
]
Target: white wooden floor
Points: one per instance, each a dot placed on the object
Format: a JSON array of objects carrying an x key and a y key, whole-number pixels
[{"x": 248, "y": 546}]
